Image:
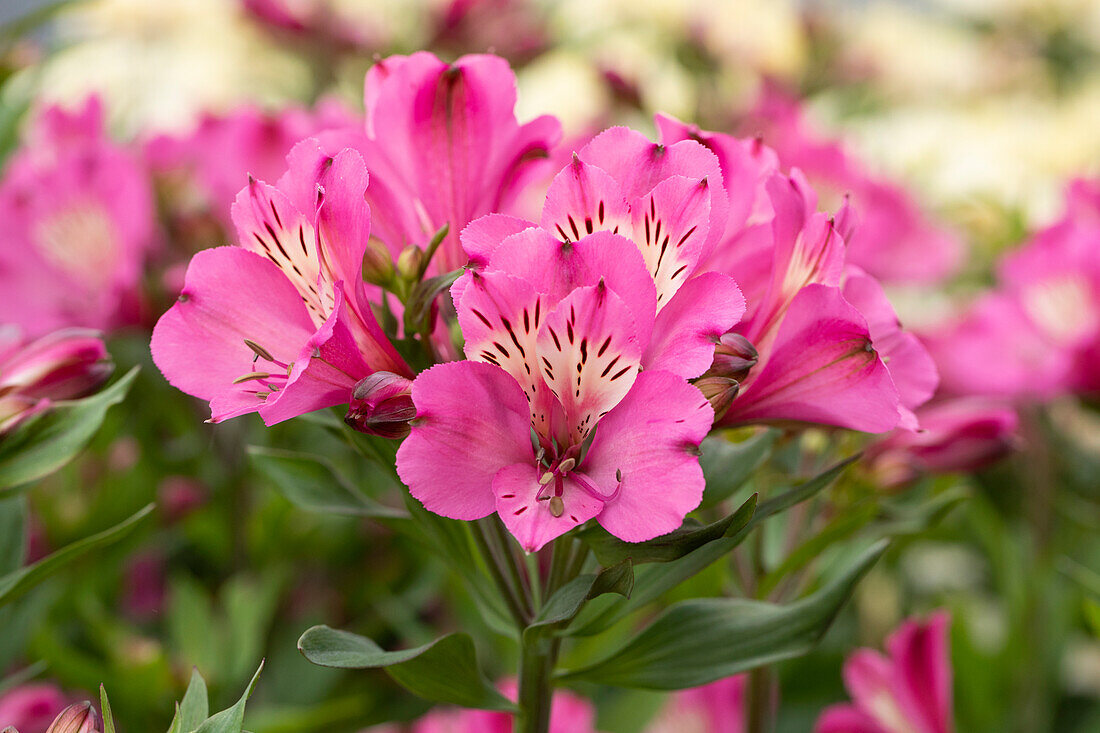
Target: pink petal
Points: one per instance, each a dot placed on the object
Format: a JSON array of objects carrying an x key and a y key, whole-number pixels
[
  {"x": 558, "y": 268},
  {"x": 584, "y": 199},
  {"x": 652, "y": 440},
  {"x": 820, "y": 369},
  {"x": 530, "y": 520},
  {"x": 589, "y": 355},
  {"x": 482, "y": 236},
  {"x": 920, "y": 651},
  {"x": 671, "y": 225},
  {"x": 688, "y": 327},
  {"x": 847, "y": 719},
  {"x": 229, "y": 295},
  {"x": 471, "y": 421}
]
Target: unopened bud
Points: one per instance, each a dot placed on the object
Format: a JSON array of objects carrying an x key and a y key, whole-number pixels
[
  {"x": 79, "y": 718},
  {"x": 382, "y": 405},
  {"x": 719, "y": 391},
  {"x": 734, "y": 357},
  {"x": 378, "y": 263},
  {"x": 409, "y": 261}
]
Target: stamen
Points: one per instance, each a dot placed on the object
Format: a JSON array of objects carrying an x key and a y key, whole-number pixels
[
  {"x": 259, "y": 350},
  {"x": 250, "y": 376},
  {"x": 546, "y": 478},
  {"x": 567, "y": 465},
  {"x": 557, "y": 506},
  {"x": 592, "y": 491}
]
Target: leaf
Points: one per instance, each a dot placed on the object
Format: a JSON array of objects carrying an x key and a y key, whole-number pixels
[
  {"x": 568, "y": 600},
  {"x": 698, "y": 641},
  {"x": 445, "y": 670},
  {"x": 231, "y": 720},
  {"x": 727, "y": 466},
  {"x": 47, "y": 442},
  {"x": 13, "y": 532},
  {"x": 195, "y": 706},
  {"x": 15, "y": 584},
  {"x": 655, "y": 579},
  {"x": 610, "y": 550},
  {"x": 313, "y": 483},
  {"x": 105, "y": 708}
]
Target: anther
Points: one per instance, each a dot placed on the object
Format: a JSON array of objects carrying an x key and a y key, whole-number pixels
[
  {"x": 567, "y": 465},
  {"x": 259, "y": 350},
  {"x": 619, "y": 475},
  {"x": 250, "y": 376},
  {"x": 557, "y": 506},
  {"x": 546, "y": 478}
]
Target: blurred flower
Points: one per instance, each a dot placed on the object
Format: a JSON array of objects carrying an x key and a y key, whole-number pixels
[
  {"x": 889, "y": 237},
  {"x": 178, "y": 496},
  {"x": 908, "y": 691},
  {"x": 63, "y": 365},
  {"x": 714, "y": 708},
  {"x": 956, "y": 435},
  {"x": 1041, "y": 323},
  {"x": 77, "y": 212},
  {"x": 144, "y": 586},
  {"x": 514, "y": 29},
  {"x": 281, "y": 323},
  {"x": 443, "y": 147},
  {"x": 30, "y": 708}
]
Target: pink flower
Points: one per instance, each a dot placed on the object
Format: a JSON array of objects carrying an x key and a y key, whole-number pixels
[
  {"x": 893, "y": 239},
  {"x": 77, "y": 214},
  {"x": 714, "y": 708},
  {"x": 77, "y": 718},
  {"x": 443, "y": 147},
  {"x": 281, "y": 323},
  {"x": 320, "y": 21},
  {"x": 830, "y": 349},
  {"x": 568, "y": 714},
  {"x": 31, "y": 708},
  {"x": 962, "y": 434},
  {"x": 205, "y": 167},
  {"x": 63, "y": 365},
  {"x": 908, "y": 691},
  {"x": 558, "y": 354},
  {"x": 1037, "y": 334}
]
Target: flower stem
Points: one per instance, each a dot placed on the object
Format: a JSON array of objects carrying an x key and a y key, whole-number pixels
[
  {"x": 512, "y": 595},
  {"x": 760, "y": 708},
  {"x": 538, "y": 656}
]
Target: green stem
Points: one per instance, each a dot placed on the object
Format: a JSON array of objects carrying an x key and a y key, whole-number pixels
[
  {"x": 511, "y": 594},
  {"x": 503, "y": 542},
  {"x": 760, "y": 710},
  {"x": 561, "y": 552},
  {"x": 536, "y": 667}
]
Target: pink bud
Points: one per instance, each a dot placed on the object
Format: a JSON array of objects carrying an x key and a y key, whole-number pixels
[
  {"x": 719, "y": 391},
  {"x": 734, "y": 356},
  {"x": 78, "y": 718},
  {"x": 63, "y": 365},
  {"x": 30, "y": 707},
  {"x": 382, "y": 405}
]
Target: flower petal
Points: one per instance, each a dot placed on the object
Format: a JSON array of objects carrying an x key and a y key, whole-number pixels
[
  {"x": 529, "y": 519},
  {"x": 583, "y": 199},
  {"x": 688, "y": 327},
  {"x": 471, "y": 421}
]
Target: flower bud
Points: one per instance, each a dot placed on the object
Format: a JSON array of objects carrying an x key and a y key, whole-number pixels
[
  {"x": 378, "y": 263},
  {"x": 409, "y": 261},
  {"x": 79, "y": 718},
  {"x": 382, "y": 405},
  {"x": 734, "y": 356},
  {"x": 719, "y": 391},
  {"x": 66, "y": 364}
]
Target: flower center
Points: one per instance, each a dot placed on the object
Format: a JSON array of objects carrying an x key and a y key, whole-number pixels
[
  {"x": 80, "y": 240},
  {"x": 1062, "y": 306},
  {"x": 268, "y": 374}
]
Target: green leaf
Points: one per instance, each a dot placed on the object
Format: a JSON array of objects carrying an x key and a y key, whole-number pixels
[
  {"x": 610, "y": 550},
  {"x": 568, "y": 600},
  {"x": 651, "y": 581},
  {"x": 313, "y": 483},
  {"x": 46, "y": 443},
  {"x": 195, "y": 707},
  {"x": 727, "y": 466},
  {"x": 15, "y": 584},
  {"x": 231, "y": 720},
  {"x": 13, "y": 532},
  {"x": 105, "y": 708},
  {"x": 701, "y": 640},
  {"x": 445, "y": 670}
]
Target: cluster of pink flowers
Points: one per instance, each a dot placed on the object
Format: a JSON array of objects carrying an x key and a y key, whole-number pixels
[{"x": 661, "y": 281}]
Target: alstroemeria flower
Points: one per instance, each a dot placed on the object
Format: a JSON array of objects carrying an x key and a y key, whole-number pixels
[
  {"x": 557, "y": 358},
  {"x": 280, "y": 324},
  {"x": 715, "y": 708},
  {"x": 78, "y": 220},
  {"x": 443, "y": 147},
  {"x": 31, "y": 707},
  {"x": 823, "y": 357},
  {"x": 894, "y": 240},
  {"x": 63, "y": 365},
  {"x": 908, "y": 691},
  {"x": 668, "y": 202}
]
